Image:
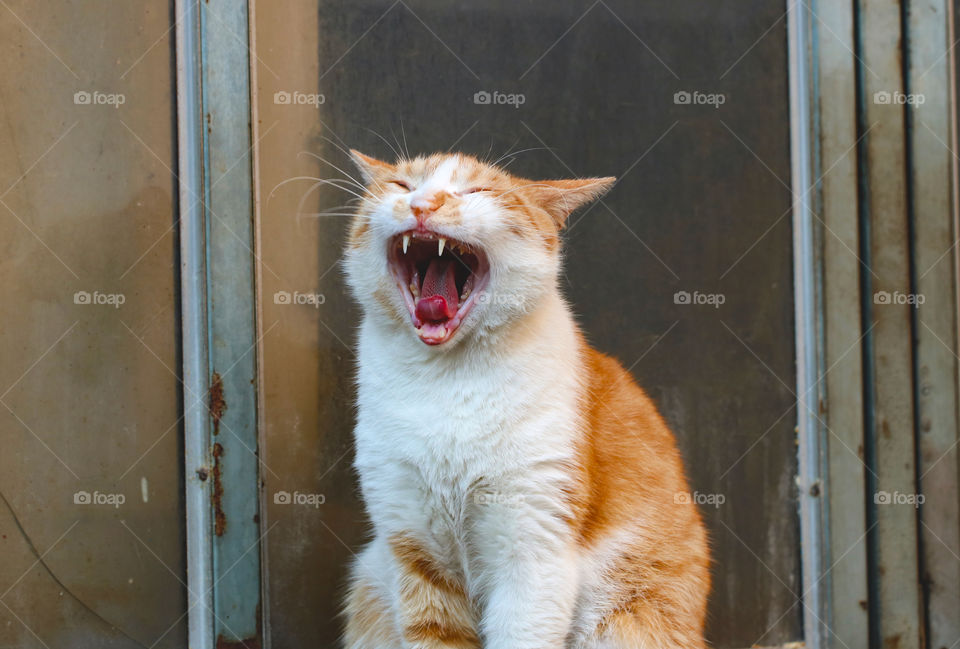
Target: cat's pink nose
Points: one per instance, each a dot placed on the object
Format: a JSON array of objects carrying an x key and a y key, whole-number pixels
[{"x": 423, "y": 206}]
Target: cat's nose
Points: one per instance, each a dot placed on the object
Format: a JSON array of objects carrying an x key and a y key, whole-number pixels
[{"x": 423, "y": 206}]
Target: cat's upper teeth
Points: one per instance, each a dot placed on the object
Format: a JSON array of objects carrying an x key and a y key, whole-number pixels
[
  {"x": 443, "y": 242},
  {"x": 406, "y": 243}
]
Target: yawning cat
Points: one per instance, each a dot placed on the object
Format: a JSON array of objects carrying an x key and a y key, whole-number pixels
[{"x": 524, "y": 492}]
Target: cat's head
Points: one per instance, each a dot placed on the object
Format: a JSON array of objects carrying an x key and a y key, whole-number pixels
[{"x": 449, "y": 248}]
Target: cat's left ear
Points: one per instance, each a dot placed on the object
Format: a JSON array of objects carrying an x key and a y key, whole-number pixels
[
  {"x": 561, "y": 197},
  {"x": 370, "y": 168}
]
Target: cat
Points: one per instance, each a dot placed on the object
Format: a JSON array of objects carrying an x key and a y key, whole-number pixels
[{"x": 524, "y": 492}]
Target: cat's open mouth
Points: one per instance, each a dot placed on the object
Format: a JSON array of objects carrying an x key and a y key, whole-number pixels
[{"x": 439, "y": 279}]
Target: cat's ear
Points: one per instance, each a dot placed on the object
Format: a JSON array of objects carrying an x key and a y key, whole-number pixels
[
  {"x": 370, "y": 168},
  {"x": 561, "y": 197}
]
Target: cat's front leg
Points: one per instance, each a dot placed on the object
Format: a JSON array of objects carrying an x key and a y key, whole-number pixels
[
  {"x": 433, "y": 609},
  {"x": 530, "y": 575}
]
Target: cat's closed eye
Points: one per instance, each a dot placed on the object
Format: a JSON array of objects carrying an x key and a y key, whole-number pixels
[
  {"x": 400, "y": 183},
  {"x": 475, "y": 190}
]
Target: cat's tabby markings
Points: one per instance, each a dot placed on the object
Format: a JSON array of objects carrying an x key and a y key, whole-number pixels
[{"x": 524, "y": 491}]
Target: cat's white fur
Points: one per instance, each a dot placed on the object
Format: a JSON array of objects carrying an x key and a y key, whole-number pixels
[{"x": 469, "y": 444}]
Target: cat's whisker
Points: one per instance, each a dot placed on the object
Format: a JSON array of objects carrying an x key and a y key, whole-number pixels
[
  {"x": 402, "y": 132},
  {"x": 320, "y": 181},
  {"x": 318, "y": 215},
  {"x": 341, "y": 147},
  {"x": 406, "y": 155},
  {"x": 489, "y": 157},
  {"x": 355, "y": 182},
  {"x": 516, "y": 153},
  {"x": 387, "y": 142}
]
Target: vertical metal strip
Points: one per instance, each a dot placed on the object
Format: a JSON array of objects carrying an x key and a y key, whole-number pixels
[
  {"x": 845, "y": 582},
  {"x": 799, "y": 44},
  {"x": 890, "y": 345},
  {"x": 258, "y": 279},
  {"x": 193, "y": 282},
  {"x": 231, "y": 316},
  {"x": 931, "y": 115}
]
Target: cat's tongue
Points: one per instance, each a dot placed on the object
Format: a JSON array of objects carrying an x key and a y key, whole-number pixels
[{"x": 438, "y": 295}]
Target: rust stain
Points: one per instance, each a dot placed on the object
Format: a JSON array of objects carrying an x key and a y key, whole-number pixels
[
  {"x": 216, "y": 494},
  {"x": 216, "y": 401}
]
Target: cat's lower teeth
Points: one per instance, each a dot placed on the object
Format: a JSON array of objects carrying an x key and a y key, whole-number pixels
[{"x": 414, "y": 290}]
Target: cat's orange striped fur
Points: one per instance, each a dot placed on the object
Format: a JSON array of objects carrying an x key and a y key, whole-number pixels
[{"x": 524, "y": 491}]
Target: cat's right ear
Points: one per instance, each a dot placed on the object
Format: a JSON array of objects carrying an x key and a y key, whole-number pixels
[{"x": 370, "y": 168}]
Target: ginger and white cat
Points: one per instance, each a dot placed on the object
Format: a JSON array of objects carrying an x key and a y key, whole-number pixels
[{"x": 524, "y": 492}]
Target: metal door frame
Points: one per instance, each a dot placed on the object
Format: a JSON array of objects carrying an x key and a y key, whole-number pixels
[
  {"x": 833, "y": 59},
  {"x": 874, "y": 202},
  {"x": 220, "y": 343}
]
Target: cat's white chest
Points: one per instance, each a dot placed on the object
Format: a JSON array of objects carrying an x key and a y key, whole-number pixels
[
  {"x": 456, "y": 423},
  {"x": 434, "y": 441}
]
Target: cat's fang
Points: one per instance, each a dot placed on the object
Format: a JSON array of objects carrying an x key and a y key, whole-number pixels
[{"x": 456, "y": 272}]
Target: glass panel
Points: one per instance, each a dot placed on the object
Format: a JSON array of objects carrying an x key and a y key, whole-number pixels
[
  {"x": 702, "y": 208},
  {"x": 91, "y": 524}
]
